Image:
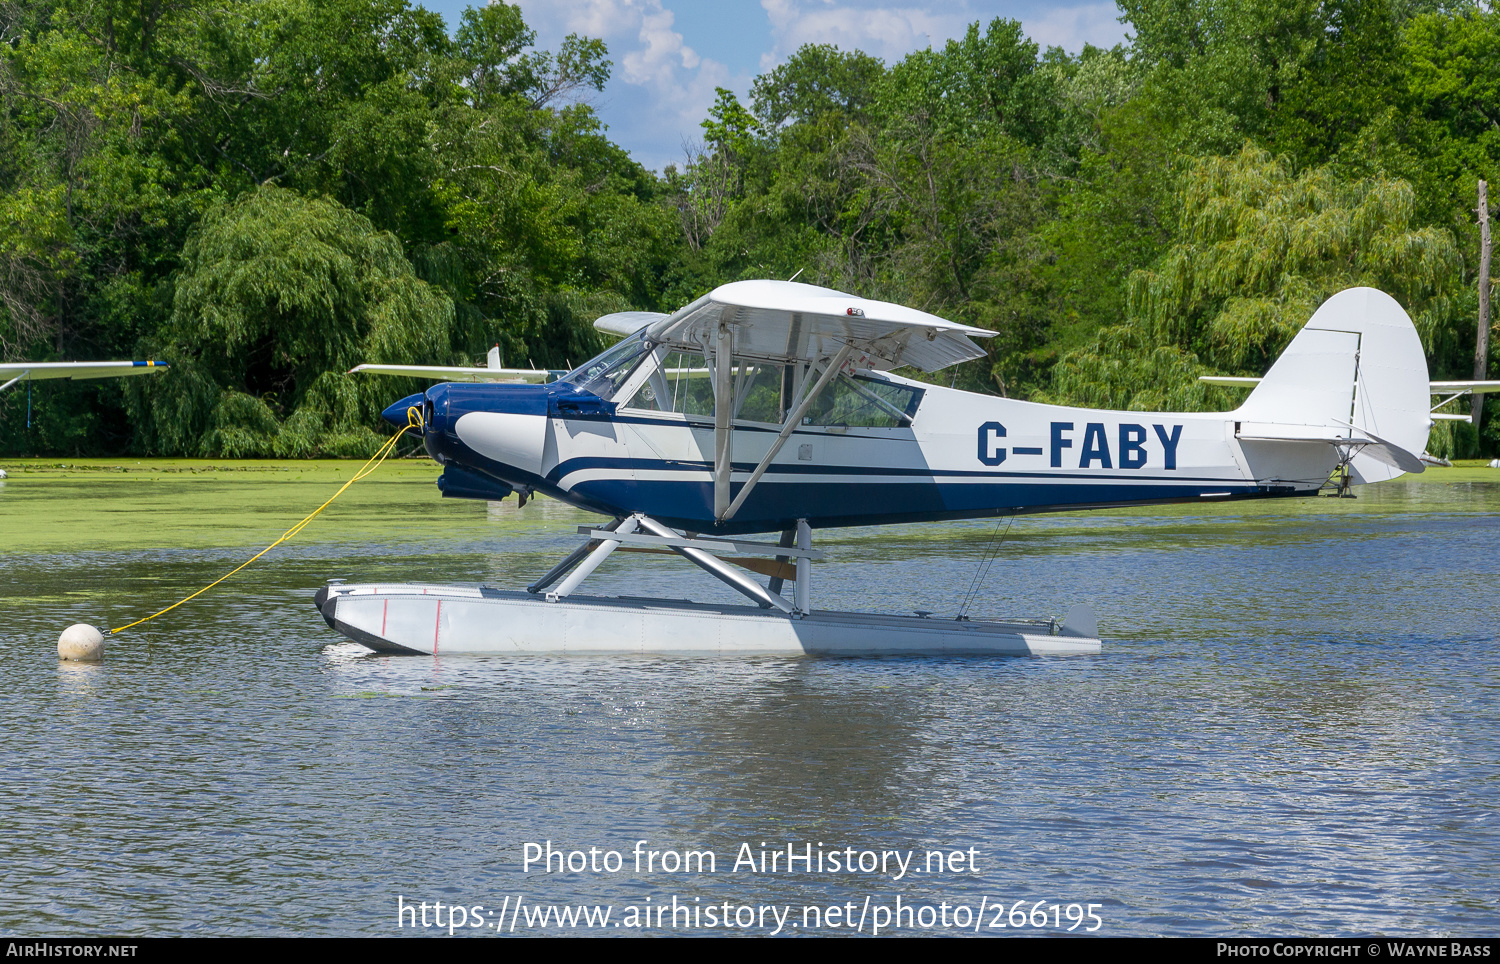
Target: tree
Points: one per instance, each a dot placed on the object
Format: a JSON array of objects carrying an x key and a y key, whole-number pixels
[
  {"x": 1260, "y": 248},
  {"x": 280, "y": 295},
  {"x": 494, "y": 40},
  {"x": 817, "y": 81}
]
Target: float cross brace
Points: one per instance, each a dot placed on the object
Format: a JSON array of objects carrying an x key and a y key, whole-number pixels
[{"x": 640, "y": 529}]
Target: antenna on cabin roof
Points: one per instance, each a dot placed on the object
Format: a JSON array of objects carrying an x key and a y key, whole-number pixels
[{"x": 794, "y": 277}]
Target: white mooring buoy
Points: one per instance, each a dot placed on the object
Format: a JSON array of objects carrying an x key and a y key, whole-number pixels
[{"x": 81, "y": 643}]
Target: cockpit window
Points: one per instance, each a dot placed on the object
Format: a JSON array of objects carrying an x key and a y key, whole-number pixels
[
  {"x": 604, "y": 374},
  {"x": 766, "y": 392},
  {"x": 680, "y": 384},
  {"x": 859, "y": 400}
]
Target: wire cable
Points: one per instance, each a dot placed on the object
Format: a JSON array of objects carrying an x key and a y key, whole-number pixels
[{"x": 986, "y": 562}]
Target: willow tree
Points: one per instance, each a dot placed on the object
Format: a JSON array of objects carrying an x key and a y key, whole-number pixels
[
  {"x": 1258, "y": 250},
  {"x": 279, "y": 296}
]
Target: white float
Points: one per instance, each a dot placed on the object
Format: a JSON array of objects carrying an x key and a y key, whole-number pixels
[
  {"x": 549, "y": 617},
  {"x": 437, "y": 620}
]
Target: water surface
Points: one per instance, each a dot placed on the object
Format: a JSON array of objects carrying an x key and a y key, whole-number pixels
[{"x": 1292, "y": 728}]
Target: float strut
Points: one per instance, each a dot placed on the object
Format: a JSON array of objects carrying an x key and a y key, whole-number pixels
[
  {"x": 566, "y": 566},
  {"x": 713, "y": 565},
  {"x": 592, "y": 562},
  {"x": 788, "y": 539},
  {"x": 803, "y": 593}
]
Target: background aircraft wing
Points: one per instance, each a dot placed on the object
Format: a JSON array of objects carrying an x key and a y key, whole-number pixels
[
  {"x": 1232, "y": 381},
  {"x": 1472, "y": 388},
  {"x": 531, "y": 376},
  {"x": 1437, "y": 388},
  {"x": 38, "y": 371}
]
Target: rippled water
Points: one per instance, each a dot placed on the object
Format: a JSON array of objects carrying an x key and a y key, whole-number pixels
[{"x": 1292, "y": 730}]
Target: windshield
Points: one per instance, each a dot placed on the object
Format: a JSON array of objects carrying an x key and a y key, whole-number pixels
[{"x": 604, "y": 374}]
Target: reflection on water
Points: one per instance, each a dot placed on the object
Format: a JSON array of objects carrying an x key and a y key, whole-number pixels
[{"x": 1291, "y": 730}]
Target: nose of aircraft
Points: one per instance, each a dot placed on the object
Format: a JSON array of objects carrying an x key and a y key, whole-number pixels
[
  {"x": 500, "y": 446},
  {"x": 398, "y": 413},
  {"x": 498, "y": 439}
]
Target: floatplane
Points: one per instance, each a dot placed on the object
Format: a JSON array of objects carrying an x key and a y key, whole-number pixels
[{"x": 773, "y": 407}]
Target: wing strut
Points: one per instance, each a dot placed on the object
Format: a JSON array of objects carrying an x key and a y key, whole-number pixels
[
  {"x": 793, "y": 419},
  {"x": 723, "y": 414}
]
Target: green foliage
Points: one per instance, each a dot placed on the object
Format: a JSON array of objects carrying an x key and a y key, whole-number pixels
[
  {"x": 1125, "y": 370},
  {"x": 279, "y": 296},
  {"x": 817, "y": 81},
  {"x": 1219, "y": 69},
  {"x": 494, "y": 39},
  {"x": 140, "y": 142},
  {"x": 1261, "y": 249}
]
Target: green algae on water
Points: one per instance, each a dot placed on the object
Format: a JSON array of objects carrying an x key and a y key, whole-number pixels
[{"x": 50, "y": 505}]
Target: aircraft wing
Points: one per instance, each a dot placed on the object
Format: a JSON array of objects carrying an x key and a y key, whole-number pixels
[
  {"x": 11, "y": 372},
  {"x": 530, "y": 376},
  {"x": 788, "y": 321},
  {"x": 627, "y": 322}
]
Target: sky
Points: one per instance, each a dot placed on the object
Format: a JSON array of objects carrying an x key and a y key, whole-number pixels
[{"x": 669, "y": 55}]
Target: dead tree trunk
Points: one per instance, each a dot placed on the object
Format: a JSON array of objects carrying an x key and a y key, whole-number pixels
[{"x": 1482, "y": 340}]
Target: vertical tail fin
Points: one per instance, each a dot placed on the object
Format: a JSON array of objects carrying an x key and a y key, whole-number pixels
[{"x": 1358, "y": 362}]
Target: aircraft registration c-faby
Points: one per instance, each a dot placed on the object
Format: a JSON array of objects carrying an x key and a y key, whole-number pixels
[{"x": 770, "y": 406}]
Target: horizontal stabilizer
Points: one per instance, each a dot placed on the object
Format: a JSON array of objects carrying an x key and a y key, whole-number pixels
[
  {"x": 1394, "y": 456},
  {"x": 1437, "y": 388},
  {"x": 1384, "y": 450}
]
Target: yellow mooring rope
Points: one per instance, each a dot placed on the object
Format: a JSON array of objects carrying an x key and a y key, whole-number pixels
[{"x": 413, "y": 420}]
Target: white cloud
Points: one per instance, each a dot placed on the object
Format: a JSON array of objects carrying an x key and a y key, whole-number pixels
[
  {"x": 1072, "y": 27},
  {"x": 887, "y": 32},
  {"x": 892, "y": 31},
  {"x": 650, "y": 55},
  {"x": 662, "y": 86}
]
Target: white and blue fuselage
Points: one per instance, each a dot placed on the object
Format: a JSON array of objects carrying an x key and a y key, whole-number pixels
[{"x": 963, "y": 455}]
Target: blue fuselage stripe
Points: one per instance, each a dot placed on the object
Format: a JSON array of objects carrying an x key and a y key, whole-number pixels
[{"x": 564, "y": 469}]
